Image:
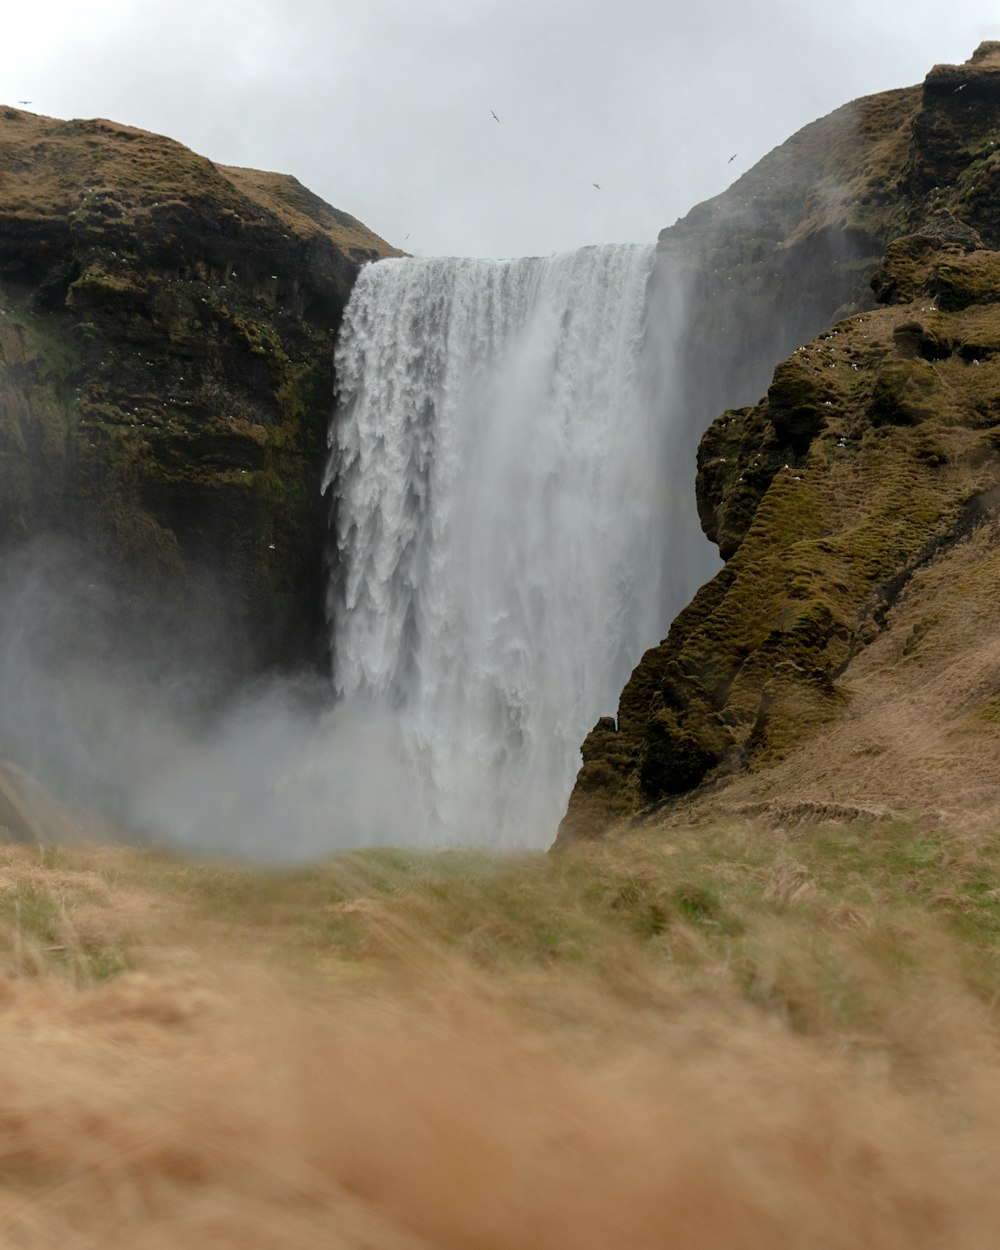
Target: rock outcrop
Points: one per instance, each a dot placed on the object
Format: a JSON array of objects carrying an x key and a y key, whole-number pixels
[
  {"x": 166, "y": 368},
  {"x": 872, "y": 459}
]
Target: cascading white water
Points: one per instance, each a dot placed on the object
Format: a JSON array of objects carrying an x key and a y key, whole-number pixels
[{"x": 501, "y": 517}]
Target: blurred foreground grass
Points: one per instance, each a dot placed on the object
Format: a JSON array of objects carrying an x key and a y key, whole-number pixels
[
  {"x": 718, "y": 1038},
  {"x": 829, "y": 929}
]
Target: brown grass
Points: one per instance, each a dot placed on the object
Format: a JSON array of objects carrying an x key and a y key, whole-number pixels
[
  {"x": 917, "y": 732},
  {"x": 51, "y": 168},
  {"x": 153, "y": 1112},
  {"x": 303, "y": 212},
  {"x": 448, "y": 1074}
]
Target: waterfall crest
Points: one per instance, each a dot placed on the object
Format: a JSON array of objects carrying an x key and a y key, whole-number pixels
[{"x": 501, "y": 515}]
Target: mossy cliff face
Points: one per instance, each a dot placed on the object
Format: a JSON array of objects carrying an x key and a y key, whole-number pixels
[
  {"x": 166, "y": 341},
  {"x": 874, "y": 451}
]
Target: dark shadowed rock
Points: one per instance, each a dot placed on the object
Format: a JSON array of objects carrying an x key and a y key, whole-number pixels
[{"x": 166, "y": 378}]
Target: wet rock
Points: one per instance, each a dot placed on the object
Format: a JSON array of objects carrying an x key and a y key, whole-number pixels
[{"x": 166, "y": 378}]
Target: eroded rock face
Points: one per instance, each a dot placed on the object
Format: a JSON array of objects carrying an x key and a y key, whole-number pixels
[
  {"x": 166, "y": 341},
  {"x": 873, "y": 451}
]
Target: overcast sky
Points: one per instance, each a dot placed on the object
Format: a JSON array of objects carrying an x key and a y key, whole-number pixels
[{"x": 383, "y": 107}]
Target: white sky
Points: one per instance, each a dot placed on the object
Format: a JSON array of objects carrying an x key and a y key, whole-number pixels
[{"x": 383, "y": 107}]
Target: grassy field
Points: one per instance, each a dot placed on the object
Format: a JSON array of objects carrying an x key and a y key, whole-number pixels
[{"x": 728, "y": 1036}]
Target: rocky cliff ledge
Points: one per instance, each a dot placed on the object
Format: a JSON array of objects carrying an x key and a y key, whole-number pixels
[
  {"x": 856, "y": 509},
  {"x": 166, "y": 342}
]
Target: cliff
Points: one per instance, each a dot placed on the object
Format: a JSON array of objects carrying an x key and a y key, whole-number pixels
[
  {"x": 166, "y": 341},
  {"x": 844, "y": 654}
]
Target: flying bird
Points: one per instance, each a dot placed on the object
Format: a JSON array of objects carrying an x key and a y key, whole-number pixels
[
  {"x": 961, "y": 88},
  {"x": 732, "y": 158},
  {"x": 495, "y": 118},
  {"x": 596, "y": 184},
  {"x": 25, "y": 101}
]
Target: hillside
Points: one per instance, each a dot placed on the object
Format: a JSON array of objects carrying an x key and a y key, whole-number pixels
[
  {"x": 844, "y": 656},
  {"x": 166, "y": 378}
]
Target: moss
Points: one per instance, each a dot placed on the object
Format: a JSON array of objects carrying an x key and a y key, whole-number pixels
[
  {"x": 675, "y": 756},
  {"x": 37, "y": 418},
  {"x": 930, "y": 451},
  {"x": 255, "y": 332},
  {"x": 906, "y": 269},
  {"x": 959, "y": 282},
  {"x": 989, "y": 712},
  {"x": 914, "y": 338},
  {"x": 902, "y": 393},
  {"x": 796, "y": 402},
  {"x": 817, "y": 546}
]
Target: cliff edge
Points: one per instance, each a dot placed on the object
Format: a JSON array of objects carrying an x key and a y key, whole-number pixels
[
  {"x": 166, "y": 345},
  {"x": 847, "y": 652}
]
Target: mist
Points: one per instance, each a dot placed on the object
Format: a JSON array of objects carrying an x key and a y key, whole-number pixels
[
  {"x": 513, "y": 524},
  {"x": 136, "y": 713}
]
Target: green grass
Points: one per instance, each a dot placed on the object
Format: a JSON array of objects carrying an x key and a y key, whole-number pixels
[
  {"x": 830, "y": 929},
  {"x": 38, "y": 936}
]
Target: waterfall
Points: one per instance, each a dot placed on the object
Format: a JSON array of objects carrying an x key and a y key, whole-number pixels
[{"x": 502, "y": 512}]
